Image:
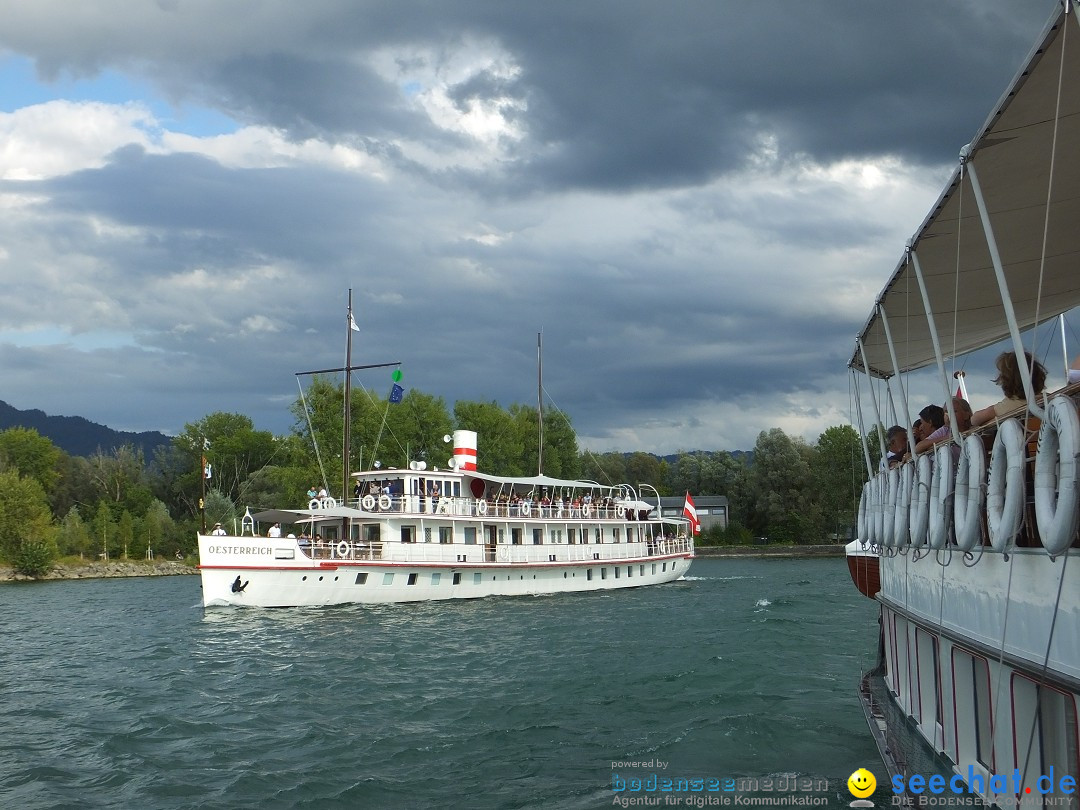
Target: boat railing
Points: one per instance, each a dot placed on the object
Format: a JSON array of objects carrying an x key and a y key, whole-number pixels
[
  {"x": 1024, "y": 473},
  {"x": 330, "y": 551},
  {"x": 487, "y": 508}
]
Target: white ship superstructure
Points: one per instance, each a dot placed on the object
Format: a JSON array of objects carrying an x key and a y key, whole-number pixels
[
  {"x": 980, "y": 599},
  {"x": 417, "y": 534}
]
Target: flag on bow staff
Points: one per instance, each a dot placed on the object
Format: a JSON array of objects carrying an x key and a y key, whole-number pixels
[
  {"x": 396, "y": 393},
  {"x": 690, "y": 513}
]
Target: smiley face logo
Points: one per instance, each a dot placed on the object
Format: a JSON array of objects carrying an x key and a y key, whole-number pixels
[{"x": 861, "y": 783}]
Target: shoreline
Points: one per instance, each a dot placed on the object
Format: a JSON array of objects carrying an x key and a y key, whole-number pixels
[
  {"x": 104, "y": 570},
  {"x": 824, "y": 550}
]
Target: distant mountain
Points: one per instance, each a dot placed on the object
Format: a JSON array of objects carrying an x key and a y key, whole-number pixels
[{"x": 77, "y": 436}]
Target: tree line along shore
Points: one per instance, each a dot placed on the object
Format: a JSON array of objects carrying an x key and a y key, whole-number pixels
[{"x": 120, "y": 505}]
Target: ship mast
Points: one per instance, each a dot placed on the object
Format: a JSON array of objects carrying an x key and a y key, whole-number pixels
[
  {"x": 540, "y": 402},
  {"x": 346, "y": 432}
]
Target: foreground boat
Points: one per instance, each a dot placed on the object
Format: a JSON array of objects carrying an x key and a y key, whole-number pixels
[
  {"x": 414, "y": 534},
  {"x": 980, "y": 603}
]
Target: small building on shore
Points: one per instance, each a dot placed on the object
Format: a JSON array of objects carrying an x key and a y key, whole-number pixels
[{"x": 712, "y": 510}]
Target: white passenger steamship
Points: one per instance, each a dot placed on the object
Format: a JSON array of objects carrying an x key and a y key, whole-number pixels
[
  {"x": 417, "y": 534},
  {"x": 980, "y": 599}
]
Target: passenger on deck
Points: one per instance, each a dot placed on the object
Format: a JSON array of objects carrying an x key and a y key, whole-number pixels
[
  {"x": 218, "y": 530},
  {"x": 963, "y": 424},
  {"x": 1012, "y": 385},
  {"x": 275, "y": 531},
  {"x": 896, "y": 446}
]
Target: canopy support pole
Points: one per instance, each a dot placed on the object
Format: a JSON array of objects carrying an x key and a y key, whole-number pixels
[
  {"x": 873, "y": 398},
  {"x": 1003, "y": 285},
  {"x": 862, "y": 425},
  {"x": 899, "y": 379},
  {"x": 937, "y": 343}
]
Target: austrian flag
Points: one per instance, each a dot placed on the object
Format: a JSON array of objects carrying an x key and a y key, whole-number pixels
[{"x": 690, "y": 513}]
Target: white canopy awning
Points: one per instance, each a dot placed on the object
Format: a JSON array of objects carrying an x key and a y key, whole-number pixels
[{"x": 1026, "y": 154}]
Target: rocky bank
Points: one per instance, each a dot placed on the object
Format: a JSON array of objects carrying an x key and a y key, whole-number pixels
[{"x": 103, "y": 570}]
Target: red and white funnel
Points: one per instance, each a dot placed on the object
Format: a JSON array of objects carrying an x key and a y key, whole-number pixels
[{"x": 465, "y": 449}]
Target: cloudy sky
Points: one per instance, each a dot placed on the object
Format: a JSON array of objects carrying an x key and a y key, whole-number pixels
[{"x": 696, "y": 202}]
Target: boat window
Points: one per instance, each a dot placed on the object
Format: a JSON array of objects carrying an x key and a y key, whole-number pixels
[
  {"x": 388, "y": 579},
  {"x": 515, "y": 537},
  {"x": 556, "y": 535},
  {"x": 476, "y": 578},
  {"x": 446, "y": 534},
  {"x": 435, "y": 578},
  {"x": 427, "y": 534},
  {"x": 408, "y": 534},
  {"x": 588, "y": 574},
  {"x": 361, "y": 578},
  {"x": 571, "y": 536},
  {"x": 616, "y": 572},
  {"x": 617, "y": 534},
  {"x": 502, "y": 535},
  {"x": 371, "y": 533},
  {"x": 457, "y": 578},
  {"x": 1044, "y": 732},
  {"x": 603, "y": 573},
  {"x": 599, "y": 535},
  {"x": 538, "y": 536},
  {"x": 470, "y": 535},
  {"x": 412, "y": 578}
]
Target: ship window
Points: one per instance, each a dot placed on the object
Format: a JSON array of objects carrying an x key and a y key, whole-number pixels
[
  {"x": 412, "y": 578},
  {"x": 629, "y": 570},
  {"x": 435, "y": 578},
  {"x": 408, "y": 534},
  {"x": 599, "y": 535},
  {"x": 603, "y": 573},
  {"x": 388, "y": 579},
  {"x": 361, "y": 578},
  {"x": 515, "y": 537},
  {"x": 476, "y": 578},
  {"x": 588, "y": 574},
  {"x": 617, "y": 535},
  {"x": 538, "y": 536},
  {"x": 571, "y": 536},
  {"x": 654, "y": 568},
  {"x": 446, "y": 534},
  {"x": 616, "y": 572},
  {"x": 457, "y": 578},
  {"x": 371, "y": 533},
  {"x": 502, "y": 536},
  {"x": 1044, "y": 732},
  {"x": 427, "y": 534},
  {"x": 470, "y": 535}
]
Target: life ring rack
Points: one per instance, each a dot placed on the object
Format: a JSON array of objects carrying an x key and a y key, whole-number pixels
[
  {"x": 1006, "y": 487},
  {"x": 1056, "y": 476},
  {"x": 344, "y": 549}
]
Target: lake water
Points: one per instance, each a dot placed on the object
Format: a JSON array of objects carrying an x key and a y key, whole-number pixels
[{"x": 126, "y": 694}]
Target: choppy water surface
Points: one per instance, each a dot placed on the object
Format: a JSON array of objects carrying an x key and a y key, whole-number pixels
[{"x": 124, "y": 693}]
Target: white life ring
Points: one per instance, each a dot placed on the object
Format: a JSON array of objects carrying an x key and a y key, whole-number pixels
[
  {"x": 368, "y": 502},
  {"x": 920, "y": 500},
  {"x": 343, "y": 549},
  {"x": 860, "y": 524},
  {"x": 902, "y": 515},
  {"x": 481, "y": 507},
  {"x": 874, "y": 518},
  {"x": 1056, "y": 475},
  {"x": 941, "y": 499},
  {"x": 1006, "y": 489},
  {"x": 328, "y": 502},
  {"x": 968, "y": 501},
  {"x": 524, "y": 509},
  {"x": 586, "y": 508},
  {"x": 313, "y": 503},
  {"x": 888, "y": 508},
  {"x": 384, "y": 502}
]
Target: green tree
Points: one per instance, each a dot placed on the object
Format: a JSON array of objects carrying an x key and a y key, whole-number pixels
[
  {"x": 25, "y": 519},
  {"x": 74, "y": 537},
  {"x": 156, "y": 524},
  {"x": 125, "y": 533},
  {"x": 499, "y": 446},
  {"x": 31, "y": 454},
  {"x": 103, "y": 531},
  {"x": 781, "y": 506},
  {"x": 839, "y": 472}
]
